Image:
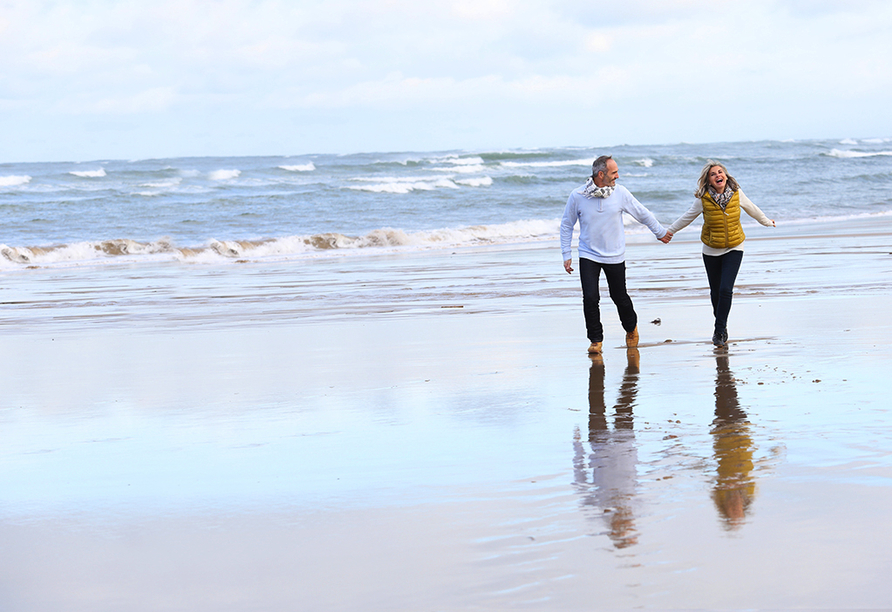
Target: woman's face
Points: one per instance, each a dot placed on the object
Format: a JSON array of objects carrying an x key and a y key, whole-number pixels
[{"x": 717, "y": 179}]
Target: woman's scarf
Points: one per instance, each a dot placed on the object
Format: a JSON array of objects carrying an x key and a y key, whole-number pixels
[
  {"x": 593, "y": 191},
  {"x": 721, "y": 199}
]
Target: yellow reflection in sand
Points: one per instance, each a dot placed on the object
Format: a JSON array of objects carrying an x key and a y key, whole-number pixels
[{"x": 734, "y": 488}]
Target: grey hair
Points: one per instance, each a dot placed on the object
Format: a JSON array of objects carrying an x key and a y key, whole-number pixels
[{"x": 600, "y": 165}]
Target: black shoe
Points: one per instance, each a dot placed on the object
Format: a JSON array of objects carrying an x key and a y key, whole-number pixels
[
  {"x": 718, "y": 339},
  {"x": 725, "y": 336}
]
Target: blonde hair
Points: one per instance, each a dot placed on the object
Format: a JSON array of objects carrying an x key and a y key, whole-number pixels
[{"x": 703, "y": 183}]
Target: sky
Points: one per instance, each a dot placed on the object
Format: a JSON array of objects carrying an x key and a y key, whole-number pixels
[{"x": 100, "y": 79}]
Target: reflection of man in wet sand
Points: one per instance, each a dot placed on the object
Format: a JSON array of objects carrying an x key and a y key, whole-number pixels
[
  {"x": 734, "y": 487},
  {"x": 614, "y": 455}
]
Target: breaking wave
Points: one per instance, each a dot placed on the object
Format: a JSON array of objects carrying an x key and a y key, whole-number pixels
[
  {"x": 852, "y": 154},
  {"x": 402, "y": 184},
  {"x": 546, "y": 164},
  {"x": 224, "y": 175},
  {"x": 89, "y": 173},
  {"x": 216, "y": 250},
  {"x": 14, "y": 181},
  {"x": 309, "y": 167}
]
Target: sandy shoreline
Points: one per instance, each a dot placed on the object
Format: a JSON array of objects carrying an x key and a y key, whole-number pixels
[{"x": 418, "y": 457}]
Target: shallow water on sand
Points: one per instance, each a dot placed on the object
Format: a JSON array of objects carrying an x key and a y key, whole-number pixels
[{"x": 211, "y": 440}]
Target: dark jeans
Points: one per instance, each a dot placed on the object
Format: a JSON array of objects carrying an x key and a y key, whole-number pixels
[
  {"x": 589, "y": 274},
  {"x": 722, "y": 273}
]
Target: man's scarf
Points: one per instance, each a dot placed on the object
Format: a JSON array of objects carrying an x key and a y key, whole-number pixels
[{"x": 593, "y": 191}]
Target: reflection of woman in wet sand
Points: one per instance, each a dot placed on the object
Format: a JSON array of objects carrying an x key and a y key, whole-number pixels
[
  {"x": 734, "y": 487},
  {"x": 719, "y": 199},
  {"x": 614, "y": 455}
]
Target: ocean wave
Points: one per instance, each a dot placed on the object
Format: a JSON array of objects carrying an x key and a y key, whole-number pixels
[
  {"x": 402, "y": 185},
  {"x": 852, "y": 154},
  {"x": 82, "y": 251},
  {"x": 483, "y": 181},
  {"x": 216, "y": 250},
  {"x": 383, "y": 240},
  {"x": 308, "y": 167},
  {"x": 14, "y": 181},
  {"x": 165, "y": 184},
  {"x": 224, "y": 175},
  {"x": 89, "y": 173},
  {"x": 646, "y": 162},
  {"x": 546, "y": 164},
  {"x": 839, "y": 218},
  {"x": 464, "y": 169},
  {"x": 474, "y": 160}
]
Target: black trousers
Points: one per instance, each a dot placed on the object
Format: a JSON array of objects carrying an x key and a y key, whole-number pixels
[
  {"x": 589, "y": 275},
  {"x": 722, "y": 274}
]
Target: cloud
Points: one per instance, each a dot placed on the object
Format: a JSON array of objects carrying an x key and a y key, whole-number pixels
[
  {"x": 152, "y": 100},
  {"x": 502, "y": 72}
]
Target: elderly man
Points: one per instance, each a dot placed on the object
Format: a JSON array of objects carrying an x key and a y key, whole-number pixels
[{"x": 598, "y": 206}]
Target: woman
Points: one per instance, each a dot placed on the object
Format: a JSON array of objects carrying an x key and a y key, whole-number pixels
[{"x": 720, "y": 200}]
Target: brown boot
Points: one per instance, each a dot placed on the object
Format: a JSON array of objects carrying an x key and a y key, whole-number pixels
[
  {"x": 632, "y": 338},
  {"x": 595, "y": 348}
]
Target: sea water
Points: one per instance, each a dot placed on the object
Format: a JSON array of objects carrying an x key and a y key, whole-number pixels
[{"x": 227, "y": 209}]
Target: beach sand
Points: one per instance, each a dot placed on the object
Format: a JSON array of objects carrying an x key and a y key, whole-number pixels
[{"x": 426, "y": 431}]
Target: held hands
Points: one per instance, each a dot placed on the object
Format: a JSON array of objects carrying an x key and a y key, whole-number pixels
[{"x": 665, "y": 239}]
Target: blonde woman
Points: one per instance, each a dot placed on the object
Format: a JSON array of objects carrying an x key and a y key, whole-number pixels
[{"x": 720, "y": 200}]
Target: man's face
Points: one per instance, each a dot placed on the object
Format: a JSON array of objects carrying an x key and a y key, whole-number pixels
[{"x": 608, "y": 179}]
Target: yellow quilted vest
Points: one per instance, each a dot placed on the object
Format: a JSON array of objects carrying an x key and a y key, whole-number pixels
[{"x": 721, "y": 228}]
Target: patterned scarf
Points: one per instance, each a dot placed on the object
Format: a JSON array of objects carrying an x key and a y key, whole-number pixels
[
  {"x": 593, "y": 191},
  {"x": 721, "y": 199}
]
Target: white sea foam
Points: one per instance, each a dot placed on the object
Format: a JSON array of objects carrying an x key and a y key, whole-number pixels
[
  {"x": 401, "y": 185},
  {"x": 224, "y": 175},
  {"x": 517, "y": 231},
  {"x": 84, "y": 252},
  {"x": 464, "y": 169},
  {"x": 483, "y": 181},
  {"x": 215, "y": 251},
  {"x": 547, "y": 164},
  {"x": 14, "y": 181},
  {"x": 646, "y": 162},
  {"x": 853, "y": 154},
  {"x": 848, "y": 142},
  {"x": 460, "y": 165},
  {"x": 387, "y": 239},
  {"x": 839, "y": 218},
  {"x": 89, "y": 173},
  {"x": 464, "y": 161},
  {"x": 167, "y": 184},
  {"x": 309, "y": 167}
]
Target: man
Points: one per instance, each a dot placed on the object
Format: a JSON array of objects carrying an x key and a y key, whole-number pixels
[{"x": 598, "y": 206}]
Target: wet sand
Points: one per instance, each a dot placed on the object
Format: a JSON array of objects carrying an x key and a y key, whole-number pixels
[{"x": 438, "y": 438}]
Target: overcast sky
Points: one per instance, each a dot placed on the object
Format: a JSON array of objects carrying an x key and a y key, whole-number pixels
[{"x": 102, "y": 79}]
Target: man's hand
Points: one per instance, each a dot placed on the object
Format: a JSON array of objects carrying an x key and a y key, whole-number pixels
[
  {"x": 665, "y": 239},
  {"x": 568, "y": 266}
]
